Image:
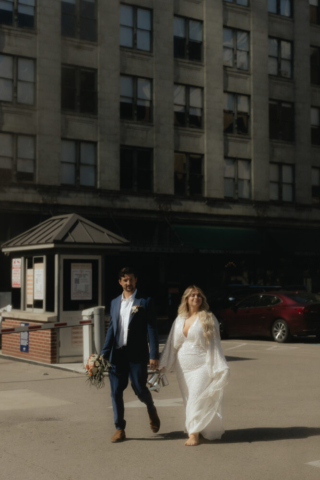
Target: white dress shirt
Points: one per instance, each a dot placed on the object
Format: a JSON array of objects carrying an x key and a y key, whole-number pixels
[{"x": 124, "y": 317}]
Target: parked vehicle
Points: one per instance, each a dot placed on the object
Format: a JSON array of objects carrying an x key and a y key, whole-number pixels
[
  {"x": 225, "y": 297},
  {"x": 278, "y": 314}
]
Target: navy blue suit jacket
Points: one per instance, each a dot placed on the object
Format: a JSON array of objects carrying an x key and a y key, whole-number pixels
[{"x": 142, "y": 326}]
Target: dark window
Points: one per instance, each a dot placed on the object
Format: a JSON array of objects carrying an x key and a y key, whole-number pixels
[
  {"x": 314, "y": 12},
  {"x": 237, "y": 178},
  {"x": 315, "y": 65},
  {"x": 136, "y": 169},
  {"x": 79, "y": 19},
  {"x": 315, "y": 181},
  {"x": 269, "y": 300},
  {"x": 304, "y": 298},
  {"x": 236, "y": 113},
  {"x": 17, "y": 80},
  {"x": 280, "y": 7},
  {"x": 78, "y": 89},
  {"x": 188, "y": 39},
  {"x": 281, "y": 182},
  {"x": 188, "y": 106},
  {"x": 135, "y": 99},
  {"x": 280, "y": 58},
  {"x": 250, "y": 302},
  {"x": 78, "y": 163},
  {"x": 315, "y": 126},
  {"x": 135, "y": 28},
  {"x": 236, "y": 49},
  {"x": 18, "y": 13},
  {"x": 17, "y": 158},
  {"x": 281, "y": 121},
  {"x": 188, "y": 174},
  {"x": 245, "y": 3}
]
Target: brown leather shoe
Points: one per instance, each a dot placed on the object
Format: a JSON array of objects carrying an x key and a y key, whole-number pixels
[
  {"x": 154, "y": 421},
  {"x": 119, "y": 436}
]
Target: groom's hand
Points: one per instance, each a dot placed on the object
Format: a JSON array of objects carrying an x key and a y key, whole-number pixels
[{"x": 154, "y": 364}]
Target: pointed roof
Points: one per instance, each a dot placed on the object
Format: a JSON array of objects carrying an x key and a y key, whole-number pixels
[{"x": 64, "y": 231}]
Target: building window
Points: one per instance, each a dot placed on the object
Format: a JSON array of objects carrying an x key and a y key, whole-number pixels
[
  {"x": 280, "y": 58},
  {"x": 135, "y": 28},
  {"x": 237, "y": 178},
  {"x": 235, "y": 49},
  {"x": 314, "y": 12},
  {"x": 281, "y": 121},
  {"x": 281, "y": 182},
  {"x": 236, "y": 113},
  {"x": 315, "y": 65},
  {"x": 136, "y": 169},
  {"x": 78, "y": 89},
  {"x": 188, "y": 106},
  {"x": 188, "y": 174},
  {"x": 315, "y": 182},
  {"x": 17, "y": 80},
  {"x": 188, "y": 39},
  {"x": 280, "y": 7},
  {"x": 135, "y": 99},
  {"x": 79, "y": 19},
  {"x": 17, "y": 158},
  {"x": 315, "y": 126},
  {"x": 78, "y": 163},
  {"x": 245, "y": 3},
  {"x": 18, "y": 13}
]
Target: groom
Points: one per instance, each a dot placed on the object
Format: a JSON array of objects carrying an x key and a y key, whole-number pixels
[{"x": 132, "y": 322}]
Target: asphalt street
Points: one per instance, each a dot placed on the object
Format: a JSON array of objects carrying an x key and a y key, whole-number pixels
[{"x": 55, "y": 427}]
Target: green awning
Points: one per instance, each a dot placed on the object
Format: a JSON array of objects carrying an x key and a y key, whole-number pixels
[{"x": 220, "y": 239}]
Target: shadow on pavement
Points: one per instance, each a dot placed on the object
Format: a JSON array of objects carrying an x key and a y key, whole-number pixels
[
  {"x": 164, "y": 436},
  {"x": 237, "y": 359},
  {"x": 249, "y": 435}
]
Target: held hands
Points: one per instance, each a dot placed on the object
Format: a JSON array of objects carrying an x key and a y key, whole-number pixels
[{"x": 154, "y": 364}]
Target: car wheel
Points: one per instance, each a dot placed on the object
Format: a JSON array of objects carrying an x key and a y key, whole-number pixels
[
  {"x": 280, "y": 331},
  {"x": 223, "y": 330}
]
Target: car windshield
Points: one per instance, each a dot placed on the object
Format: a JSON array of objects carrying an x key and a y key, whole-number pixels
[{"x": 304, "y": 297}]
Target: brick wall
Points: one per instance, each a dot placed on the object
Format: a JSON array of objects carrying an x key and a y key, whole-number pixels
[{"x": 42, "y": 344}]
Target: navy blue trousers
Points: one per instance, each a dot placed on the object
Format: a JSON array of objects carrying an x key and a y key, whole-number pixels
[{"x": 123, "y": 370}]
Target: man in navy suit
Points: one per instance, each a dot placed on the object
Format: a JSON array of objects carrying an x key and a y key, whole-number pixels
[{"x": 133, "y": 321}]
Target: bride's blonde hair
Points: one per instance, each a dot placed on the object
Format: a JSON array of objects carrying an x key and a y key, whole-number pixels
[{"x": 205, "y": 316}]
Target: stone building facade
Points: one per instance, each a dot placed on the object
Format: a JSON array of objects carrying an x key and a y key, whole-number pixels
[{"x": 217, "y": 126}]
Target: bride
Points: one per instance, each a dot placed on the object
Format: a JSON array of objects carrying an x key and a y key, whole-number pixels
[{"x": 194, "y": 351}]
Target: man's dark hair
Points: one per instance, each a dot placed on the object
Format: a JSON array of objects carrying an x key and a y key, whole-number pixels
[{"x": 127, "y": 271}]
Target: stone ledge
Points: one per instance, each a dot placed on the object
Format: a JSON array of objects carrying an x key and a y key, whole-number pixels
[{"x": 32, "y": 317}]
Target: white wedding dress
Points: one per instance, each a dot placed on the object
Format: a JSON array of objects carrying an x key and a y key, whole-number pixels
[{"x": 202, "y": 373}]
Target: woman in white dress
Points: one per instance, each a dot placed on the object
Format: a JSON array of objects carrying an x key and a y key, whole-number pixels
[{"x": 194, "y": 351}]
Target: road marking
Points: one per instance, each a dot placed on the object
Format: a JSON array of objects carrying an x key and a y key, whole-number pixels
[
  {"x": 314, "y": 464},
  {"x": 167, "y": 402},
  {"x": 237, "y": 346}
]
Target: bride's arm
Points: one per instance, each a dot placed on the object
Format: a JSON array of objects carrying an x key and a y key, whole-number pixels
[{"x": 216, "y": 362}]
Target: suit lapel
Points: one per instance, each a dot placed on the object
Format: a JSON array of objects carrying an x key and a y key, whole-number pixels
[
  {"x": 136, "y": 303},
  {"x": 117, "y": 307}
]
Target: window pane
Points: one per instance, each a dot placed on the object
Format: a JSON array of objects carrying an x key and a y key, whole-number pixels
[
  {"x": 195, "y": 117},
  {"x": 179, "y": 95},
  {"x": 272, "y": 66},
  {"x": 286, "y": 70},
  {"x": 144, "y": 89},
  {"x": 180, "y": 165},
  {"x": 68, "y": 174},
  {"x": 144, "y": 19},
  {"x": 315, "y": 117},
  {"x": 229, "y": 190},
  {"x": 228, "y": 57},
  {"x": 274, "y": 191},
  {"x": 87, "y": 176},
  {"x": 179, "y": 27},
  {"x": 144, "y": 110},
  {"x": 26, "y": 147},
  {"x": 315, "y": 177},
  {"x": 68, "y": 77},
  {"x": 242, "y": 60},
  {"x": 6, "y": 145},
  {"x": 126, "y": 37},
  {"x": 88, "y": 29},
  {"x": 68, "y": 151},
  {"x": 195, "y": 164},
  {"x": 25, "y": 166},
  {"x": 126, "y": 87},
  {"x": 228, "y": 122},
  {"x": 285, "y": 8},
  {"x": 31, "y": 3},
  {"x": 179, "y": 115},
  {"x": 287, "y": 121},
  {"x": 228, "y": 37},
  {"x": 195, "y": 31},
  {"x": 5, "y": 164},
  {"x": 25, "y": 16},
  {"x": 287, "y": 193},
  {"x": 287, "y": 174},
  {"x": 26, "y": 70},
  {"x": 242, "y": 2},
  {"x": 195, "y": 97},
  {"x": 244, "y": 169},
  {"x": 6, "y": 12},
  {"x": 195, "y": 51},
  {"x": 179, "y": 47},
  {"x": 243, "y": 41},
  {"x": 273, "y": 47},
  {"x": 243, "y": 103},
  {"x": 273, "y": 120},
  {"x": 6, "y": 66},
  {"x": 229, "y": 101},
  {"x": 87, "y": 153},
  {"x": 244, "y": 188},
  {"x": 242, "y": 123},
  {"x": 144, "y": 170},
  {"x": 88, "y": 8},
  {"x": 143, "y": 40},
  {"x": 25, "y": 93},
  {"x": 68, "y": 6},
  {"x": 314, "y": 65},
  {"x": 126, "y": 169},
  {"x": 87, "y": 80},
  {"x": 68, "y": 25},
  {"x": 274, "y": 172},
  {"x": 126, "y": 15},
  {"x": 272, "y": 6},
  {"x": 229, "y": 168},
  {"x": 286, "y": 50},
  {"x": 6, "y": 90}
]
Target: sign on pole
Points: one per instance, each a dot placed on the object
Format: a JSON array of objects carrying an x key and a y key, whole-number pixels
[
  {"x": 81, "y": 281},
  {"x": 38, "y": 281},
  {"x": 16, "y": 273}
]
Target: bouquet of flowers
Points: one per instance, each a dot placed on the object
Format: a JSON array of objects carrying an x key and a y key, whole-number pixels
[{"x": 95, "y": 368}]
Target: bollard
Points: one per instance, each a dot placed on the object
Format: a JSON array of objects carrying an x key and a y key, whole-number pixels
[{"x": 99, "y": 328}]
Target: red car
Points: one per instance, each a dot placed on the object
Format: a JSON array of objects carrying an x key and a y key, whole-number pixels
[{"x": 276, "y": 314}]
